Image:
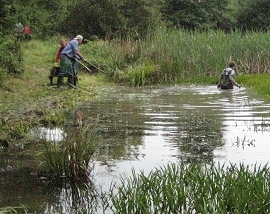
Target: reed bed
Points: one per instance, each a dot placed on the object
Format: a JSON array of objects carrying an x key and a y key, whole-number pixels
[
  {"x": 177, "y": 54},
  {"x": 194, "y": 188}
]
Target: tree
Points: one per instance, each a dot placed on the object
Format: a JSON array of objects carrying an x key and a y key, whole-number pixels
[
  {"x": 253, "y": 15},
  {"x": 95, "y": 17},
  {"x": 197, "y": 14},
  {"x": 105, "y": 18}
]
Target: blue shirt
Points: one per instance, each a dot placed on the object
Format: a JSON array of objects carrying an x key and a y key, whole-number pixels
[{"x": 70, "y": 48}]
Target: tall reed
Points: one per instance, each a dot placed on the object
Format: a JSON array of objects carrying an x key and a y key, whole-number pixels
[{"x": 179, "y": 54}]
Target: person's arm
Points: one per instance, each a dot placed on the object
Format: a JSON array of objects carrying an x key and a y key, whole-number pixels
[
  {"x": 79, "y": 54},
  {"x": 234, "y": 82},
  {"x": 219, "y": 81},
  {"x": 76, "y": 50},
  {"x": 218, "y": 85},
  {"x": 57, "y": 58},
  {"x": 231, "y": 77}
]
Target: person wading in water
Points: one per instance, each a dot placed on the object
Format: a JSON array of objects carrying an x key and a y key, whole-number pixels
[{"x": 227, "y": 76}]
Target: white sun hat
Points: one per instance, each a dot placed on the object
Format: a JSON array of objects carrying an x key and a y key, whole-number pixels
[{"x": 79, "y": 37}]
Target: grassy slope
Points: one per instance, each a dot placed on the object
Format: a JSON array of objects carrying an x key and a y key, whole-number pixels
[
  {"x": 29, "y": 99},
  {"x": 32, "y": 88}
]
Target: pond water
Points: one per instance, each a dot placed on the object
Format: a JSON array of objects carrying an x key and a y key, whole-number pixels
[{"x": 144, "y": 128}]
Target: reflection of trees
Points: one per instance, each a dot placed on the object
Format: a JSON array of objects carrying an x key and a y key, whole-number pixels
[
  {"x": 120, "y": 127},
  {"x": 122, "y": 124},
  {"x": 198, "y": 135},
  {"x": 21, "y": 188}
]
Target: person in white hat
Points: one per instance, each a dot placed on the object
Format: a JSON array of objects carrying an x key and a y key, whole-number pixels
[{"x": 67, "y": 62}]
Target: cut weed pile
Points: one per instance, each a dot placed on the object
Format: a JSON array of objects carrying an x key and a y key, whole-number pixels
[{"x": 28, "y": 99}]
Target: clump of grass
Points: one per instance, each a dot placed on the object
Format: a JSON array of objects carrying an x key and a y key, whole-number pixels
[
  {"x": 194, "y": 188},
  {"x": 140, "y": 75},
  {"x": 72, "y": 156}
]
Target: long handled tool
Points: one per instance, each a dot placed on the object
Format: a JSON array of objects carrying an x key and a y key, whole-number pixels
[
  {"x": 94, "y": 66},
  {"x": 88, "y": 69}
]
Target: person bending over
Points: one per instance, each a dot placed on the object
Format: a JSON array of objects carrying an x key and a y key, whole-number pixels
[{"x": 67, "y": 57}]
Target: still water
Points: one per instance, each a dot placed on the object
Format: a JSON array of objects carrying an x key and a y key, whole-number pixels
[
  {"x": 144, "y": 128},
  {"x": 148, "y": 127}
]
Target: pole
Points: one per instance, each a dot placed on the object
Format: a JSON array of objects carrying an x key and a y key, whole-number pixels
[
  {"x": 88, "y": 69},
  {"x": 95, "y": 66}
]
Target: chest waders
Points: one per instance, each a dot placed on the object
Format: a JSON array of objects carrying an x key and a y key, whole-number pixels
[{"x": 225, "y": 82}]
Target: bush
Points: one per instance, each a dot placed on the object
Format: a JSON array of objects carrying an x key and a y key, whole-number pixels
[{"x": 10, "y": 58}]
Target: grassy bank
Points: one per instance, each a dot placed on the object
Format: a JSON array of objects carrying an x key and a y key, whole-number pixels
[{"x": 28, "y": 100}]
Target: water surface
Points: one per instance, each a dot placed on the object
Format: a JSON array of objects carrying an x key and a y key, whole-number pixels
[
  {"x": 148, "y": 127},
  {"x": 144, "y": 128}
]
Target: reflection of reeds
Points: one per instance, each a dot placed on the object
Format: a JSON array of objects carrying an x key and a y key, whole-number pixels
[
  {"x": 72, "y": 156},
  {"x": 244, "y": 142},
  {"x": 80, "y": 197},
  {"x": 21, "y": 209},
  {"x": 194, "y": 188}
]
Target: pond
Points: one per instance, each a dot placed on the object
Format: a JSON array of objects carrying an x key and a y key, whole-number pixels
[{"x": 144, "y": 128}]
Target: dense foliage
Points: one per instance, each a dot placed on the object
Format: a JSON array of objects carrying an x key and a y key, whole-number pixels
[
  {"x": 198, "y": 14},
  {"x": 103, "y": 17},
  {"x": 253, "y": 15}
]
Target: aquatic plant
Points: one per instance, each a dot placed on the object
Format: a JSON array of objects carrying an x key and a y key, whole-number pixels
[
  {"x": 72, "y": 156},
  {"x": 194, "y": 188}
]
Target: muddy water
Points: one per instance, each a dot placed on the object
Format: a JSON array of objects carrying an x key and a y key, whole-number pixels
[{"x": 144, "y": 128}]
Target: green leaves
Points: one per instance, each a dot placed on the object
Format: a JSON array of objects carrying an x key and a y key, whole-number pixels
[
  {"x": 10, "y": 57},
  {"x": 253, "y": 15},
  {"x": 195, "y": 14}
]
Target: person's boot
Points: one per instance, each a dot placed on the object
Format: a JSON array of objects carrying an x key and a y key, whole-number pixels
[
  {"x": 75, "y": 80},
  {"x": 71, "y": 82},
  {"x": 59, "y": 82}
]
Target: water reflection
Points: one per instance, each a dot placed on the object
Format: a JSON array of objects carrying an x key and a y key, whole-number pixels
[
  {"x": 168, "y": 124},
  {"x": 22, "y": 188},
  {"x": 54, "y": 134}
]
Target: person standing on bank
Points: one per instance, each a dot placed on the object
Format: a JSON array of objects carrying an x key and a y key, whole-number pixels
[
  {"x": 27, "y": 33},
  {"x": 227, "y": 77},
  {"x": 63, "y": 44},
  {"x": 19, "y": 31},
  {"x": 70, "y": 51}
]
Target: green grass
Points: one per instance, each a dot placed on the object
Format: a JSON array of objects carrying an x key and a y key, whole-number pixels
[{"x": 179, "y": 54}]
